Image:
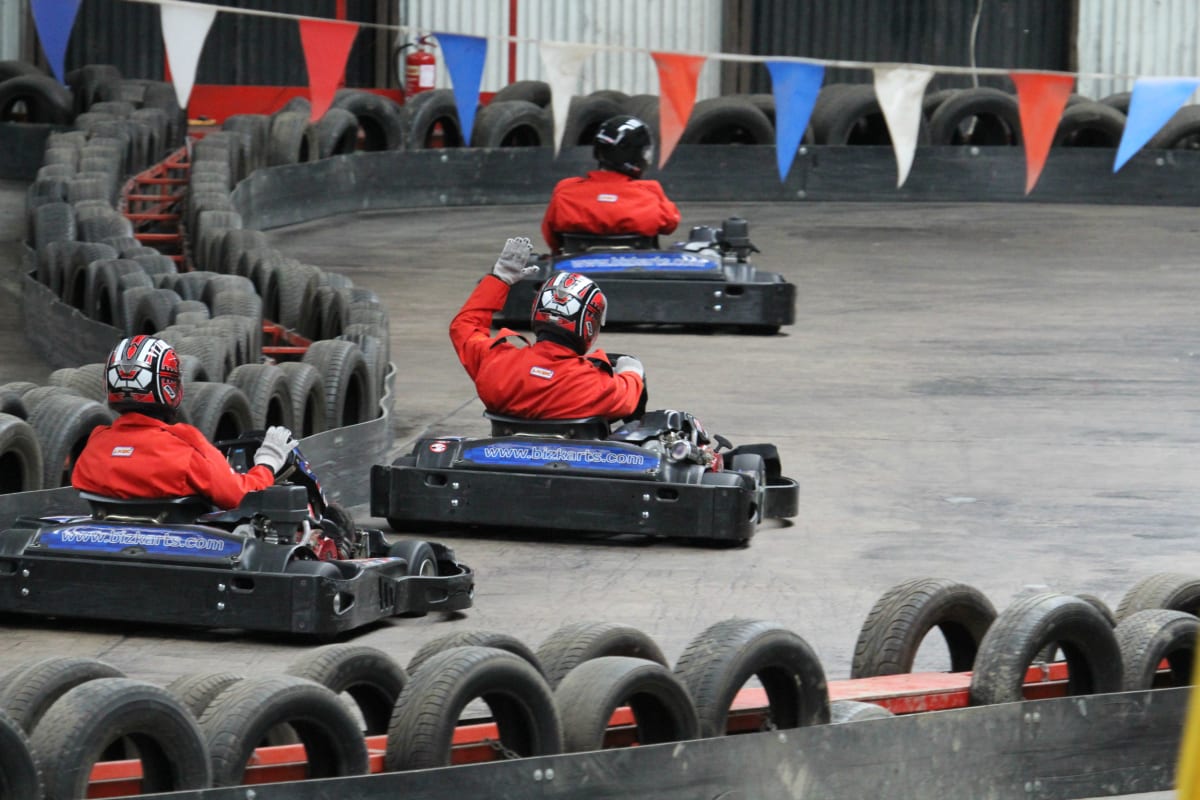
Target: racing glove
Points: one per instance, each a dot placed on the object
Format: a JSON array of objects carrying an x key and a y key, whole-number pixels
[
  {"x": 510, "y": 267},
  {"x": 273, "y": 452},
  {"x": 629, "y": 364}
]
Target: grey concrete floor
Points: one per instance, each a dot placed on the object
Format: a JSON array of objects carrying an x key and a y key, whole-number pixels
[{"x": 999, "y": 394}]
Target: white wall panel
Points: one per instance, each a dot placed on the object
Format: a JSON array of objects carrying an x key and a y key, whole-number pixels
[
  {"x": 1141, "y": 38},
  {"x": 674, "y": 25}
]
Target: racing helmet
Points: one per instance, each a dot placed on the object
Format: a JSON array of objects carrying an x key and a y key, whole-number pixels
[
  {"x": 142, "y": 374},
  {"x": 570, "y": 308},
  {"x": 623, "y": 144}
]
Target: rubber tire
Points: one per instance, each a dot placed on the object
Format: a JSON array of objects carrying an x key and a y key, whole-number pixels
[
  {"x": 349, "y": 398},
  {"x": 293, "y": 140},
  {"x": 1026, "y": 628},
  {"x": 75, "y": 733},
  {"x": 46, "y": 100},
  {"x": 1171, "y": 590},
  {"x": 536, "y": 92},
  {"x": 996, "y": 112},
  {"x": 512, "y": 123},
  {"x": 298, "y": 284},
  {"x": 19, "y": 773},
  {"x": 499, "y": 641},
  {"x": 370, "y": 676},
  {"x": 53, "y": 222},
  {"x": 899, "y": 621},
  {"x": 86, "y": 381},
  {"x": 1146, "y": 638},
  {"x": 266, "y": 388},
  {"x": 21, "y": 468},
  {"x": 102, "y": 293},
  {"x": 419, "y": 555},
  {"x": 11, "y": 402},
  {"x": 662, "y": 708},
  {"x": 573, "y": 644},
  {"x": 422, "y": 726},
  {"x": 1089, "y": 124},
  {"x": 63, "y": 424},
  {"x": 1182, "y": 131},
  {"x": 34, "y": 689},
  {"x": 218, "y": 410},
  {"x": 336, "y": 133},
  {"x": 197, "y": 691},
  {"x": 1118, "y": 100},
  {"x": 241, "y": 716},
  {"x": 380, "y": 119},
  {"x": 153, "y": 311},
  {"x": 307, "y": 390},
  {"x": 727, "y": 120},
  {"x": 585, "y": 115},
  {"x": 424, "y": 113},
  {"x": 841, "y": 711},
  {"x": 850, "y": 115},
  {"x": 718, "y": 662}
]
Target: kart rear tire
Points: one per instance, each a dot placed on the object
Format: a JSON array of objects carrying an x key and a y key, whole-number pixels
[
  {"x": 573, "y": 644},
  {"x": 718, "y": 662},
  {"x": 197, "y": 691},
  {"x": 21, "y": 468},
  {"x": 856, "y": 711},
  {"x": 19, "y": 776},
  {"x": 32, "y": 690},
  {"x": 370, "y": 676},
  {"x": 1026, "y": 628},
  {"x": 663, "y": 710},
  {"x": 422, "y": 726},
  {"x": 77, "y": 731},
  {"x": 422, "y": 562},
  {"x": 500, "y": 641},
  {"x": 1171, "y": 590},
  {"x": 242, "y": 716},
  {"x": 900, "y": 620}
]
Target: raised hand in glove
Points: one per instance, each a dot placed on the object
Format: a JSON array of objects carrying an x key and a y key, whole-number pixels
[
  {"x": 510, "y": 267},
  {"x": 629, "y": 364},
  {"x": 273, "y": 452}
]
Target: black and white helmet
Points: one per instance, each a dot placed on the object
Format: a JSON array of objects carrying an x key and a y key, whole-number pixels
[{"x": 623, "y": 144}]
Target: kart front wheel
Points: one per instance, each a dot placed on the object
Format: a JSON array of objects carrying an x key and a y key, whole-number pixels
[{"x": 420, "y": 557}]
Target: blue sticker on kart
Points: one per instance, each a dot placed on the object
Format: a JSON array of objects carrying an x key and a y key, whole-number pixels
[
  {"x": 638, "y": 262},
  {"x": 151, "y": 541},
  {"x": 578, "y": 456}
]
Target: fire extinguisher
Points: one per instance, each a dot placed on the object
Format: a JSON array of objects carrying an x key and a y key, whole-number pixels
[{"x": 420, "y": 67}]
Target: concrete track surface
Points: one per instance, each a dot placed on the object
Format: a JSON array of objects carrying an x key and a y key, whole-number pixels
[{"x": 1004, "y": 395}]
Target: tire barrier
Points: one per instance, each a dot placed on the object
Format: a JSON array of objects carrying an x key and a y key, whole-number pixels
[
  {"x": 371, "y": 678},
  {"x": 499, "y": 641},
  {"x": 571, "y": 645},
  {"x": 978, "y": 116},
  {"x": 1147, "y": 638},
  {"x": 1170, "y": 590},
  {"x": 19, "y": 775}
]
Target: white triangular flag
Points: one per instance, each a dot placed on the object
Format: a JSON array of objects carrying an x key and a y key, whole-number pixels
[
  {"x": 899, "y": 91},
  {"x": 184, "y": 29},
  {"x": 563, "y": 63}
]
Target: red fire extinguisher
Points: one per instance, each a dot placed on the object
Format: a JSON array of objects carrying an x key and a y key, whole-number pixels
[{"x": 420, "y": 67}]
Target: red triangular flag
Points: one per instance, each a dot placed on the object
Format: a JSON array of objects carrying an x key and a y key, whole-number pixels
[
  {"x": 1041, "y": 98},
  {"x": 677, "y": 77},
  {"x": 326, "y": 47}
]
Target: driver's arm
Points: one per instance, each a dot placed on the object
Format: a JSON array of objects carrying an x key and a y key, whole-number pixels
[
  {"x": 211, "y": 476},
  {"x": 471, "y": 328}
]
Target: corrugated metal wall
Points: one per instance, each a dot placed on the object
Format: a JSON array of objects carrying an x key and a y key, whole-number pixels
[
  {"x": 12, "y": 16},
  {"x": 1012, "y": 34},
  {"x": 676, "y": 25},
  {"x": 1136, "y": 37}
]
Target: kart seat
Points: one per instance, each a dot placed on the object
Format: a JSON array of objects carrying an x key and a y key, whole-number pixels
[
  {"x": 585, "y": 428},
  {"x": 576, "y": 242},
  {"x": 161, "y": 510}
]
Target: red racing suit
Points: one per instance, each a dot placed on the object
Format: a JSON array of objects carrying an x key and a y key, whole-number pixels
[
  {"x": 142, "y": 457},
  {"x": 608, "y": 202},
  {"x": 545, "y": 380}
]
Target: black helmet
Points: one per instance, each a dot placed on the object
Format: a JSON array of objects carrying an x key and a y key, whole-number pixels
[{"x": 623, "y": 145}]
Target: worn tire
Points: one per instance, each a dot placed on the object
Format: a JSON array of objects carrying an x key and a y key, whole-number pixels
[
  {"x": 849, "y": 114},
  {"x": 536, "y": 92},
  {"x": 308, "y": 398},
  {"x": 219, "y": 410},
  {"x": 499, "y": 641},
  {"x": 422, "y": 726},
  {"x": 197, "y": 691},
  {"x": 86, "y": 381},
  {"x": 78, "y": 729},
  {"x": 573, "y": 644},
  {"x": 267, "y": 390},
  {"x": 513, "y": 123},
  {"x": 380, "y": 119},
  {"x": 1171, "y": 590},
  {"x": 241, "y": 716},
  {"x": 585, "y": 115},
  {"x": 1182, "y": 131},
  {"x": 1146, "y": 638},
  {"x": 899, "y": 621},
  {"x": 718, "y": 662},
  {"x": 336, "y": 133},
  {"x": 427, "y": 114},
  {"x": 298, "y": 284},
  {"x": 19, "y": 774},
  {"x": 349, "y": 396},
  {"x": 44, "y": 99},
  {"x": 63, "y": 425},
  {"x": 21, "y": 468},
  {"x": 53, "y": 222},
  {"x": 727, "y": 120},
  {"x": 153, "y": 311},
  {"x": 1026, "y": 628},
  {"x": 370, "y": 676},
  {"x": 1089, "y": 124},
  {"x": 977, "y": 116},
  {"x": 33, "y": 689},
  {"x": 293, "y": 140},
  {"x": 663, "y": 710}
]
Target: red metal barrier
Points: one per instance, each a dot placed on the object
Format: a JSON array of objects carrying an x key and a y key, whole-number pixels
[{"x": 153, "y": 200}]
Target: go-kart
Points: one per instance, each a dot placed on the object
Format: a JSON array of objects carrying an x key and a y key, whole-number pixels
[
  {"x": 661, "y": 475},
  {"x": 271, "y": 564},
  {"x": 707, "y": 281}
]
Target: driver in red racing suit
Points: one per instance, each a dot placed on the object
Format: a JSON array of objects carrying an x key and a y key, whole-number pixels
[
  {"x": 146, "y": 454},
  {"x": 612, "y": 199},
  {"x": 554, "y": 378}
]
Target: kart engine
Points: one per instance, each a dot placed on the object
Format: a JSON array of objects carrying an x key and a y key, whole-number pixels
[{"x": 686, "y": 449}]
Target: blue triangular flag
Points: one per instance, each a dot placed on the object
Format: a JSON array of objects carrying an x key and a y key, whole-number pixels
[
  {"x": 54, "y": 20},
  {"x": 464, "y": 61},
  {"x": 795, "y": 86},
  {"x": 1153, "y": 102}
]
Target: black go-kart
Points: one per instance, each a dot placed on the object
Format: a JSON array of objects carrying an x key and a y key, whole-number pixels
[
  {"x": 285, "y": 560},
  {"x": 662, "y": 475},
  {"x": 706, "y": 282}
]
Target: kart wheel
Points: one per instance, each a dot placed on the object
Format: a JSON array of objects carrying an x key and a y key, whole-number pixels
[
  {"x": 90, "y": 719},
  {"x": 420, "y": 557},
  {"x": 241, "y": 717},
  {"x": 371, "y": 677},
  {"x": 901, "y": 619},
  {"x": 1027, "y": 627},
  {"x": 662, "y": 709},
  {"x": 755, "y": 466},
  {"x": 421, "y": 730},
  {"x": 1173, "y": 590},
  {"x": 572, "y": 645},
  {"x": 1147, "y": 638},
  {"x": 718, "y": 662},
  {"x": 18, "y": 772},
  {"x": 500, "y": 641}
]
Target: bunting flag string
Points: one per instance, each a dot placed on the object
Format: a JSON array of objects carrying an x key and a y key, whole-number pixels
[{"x": 899, "y": 88}]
